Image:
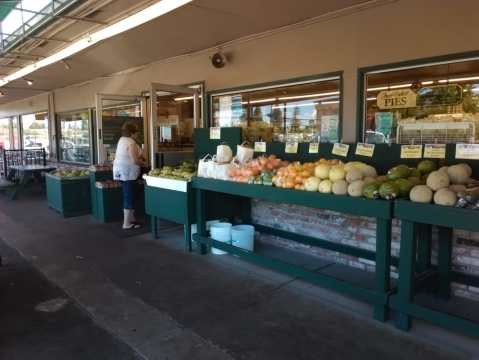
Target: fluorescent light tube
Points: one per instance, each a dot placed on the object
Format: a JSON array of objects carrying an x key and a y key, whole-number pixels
[
  {"x": 262, "y": 101},
  {"x": 308, "y": 96},
  {"x": 151, "y": 12},
  {"x": 427, "y": 82},
  {"x": 378, "y": 88},
  {"x": 329, "y": 102},
  {"x": 371, "y": 98},
  {"x": 400, "y": 86},
  {"x": 293, "y": 106},
  {"x": 470, "y": 78}
]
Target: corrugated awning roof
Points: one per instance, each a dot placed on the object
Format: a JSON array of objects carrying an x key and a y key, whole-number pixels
[{"x": 5, "y": 7}]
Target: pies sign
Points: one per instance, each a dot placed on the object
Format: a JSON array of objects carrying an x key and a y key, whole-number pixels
[{"x": 396, "y": 99}]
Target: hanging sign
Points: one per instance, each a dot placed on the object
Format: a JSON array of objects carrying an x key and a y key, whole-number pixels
[
  {"x": 411, "y": 151},
  {"x": 363, "y": 149},
  {"x": 260, "y": 146},
  {"x": 467, "y": 151},
  {"x": 340, "y": 149},
  {"x": 313, "y": 148},
  {"x": 435, "y": 151},
  {"x": 291, "y": 147},
  {"x": 396, "y": 99},
  {"x": 215, "y": 133}
]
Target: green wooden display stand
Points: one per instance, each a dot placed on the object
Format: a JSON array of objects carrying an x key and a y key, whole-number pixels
[
  {"x": 446, "y": 218},
  {"x": 380, "y": 210},
  {"x": 94, "y": 177},
  {"x": 68, "y": 196},
  {"x": 109, "y": 204}
]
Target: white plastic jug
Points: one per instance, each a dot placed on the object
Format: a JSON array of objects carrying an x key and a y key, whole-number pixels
[
  {"x": 242, "y": 236},
  {"x": 221, "y": 232}
]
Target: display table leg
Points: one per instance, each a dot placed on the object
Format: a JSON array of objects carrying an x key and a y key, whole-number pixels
[
  {"x": 406, "y": 272},
  {"x": 383, "y": 265},
  {"x": 424, "y": 240},
  {"x": 444, "y": 261},
  {"x": 187, "y": 235},
  {"x": 154, "y": 226},
  {"x": 201, "y": 218}
]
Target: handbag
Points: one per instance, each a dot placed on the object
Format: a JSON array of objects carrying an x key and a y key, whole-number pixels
[
  {"x": 203, "y": 165},
  {"x": 244, "y": 153},
  {"x": 224, "y": 154}
]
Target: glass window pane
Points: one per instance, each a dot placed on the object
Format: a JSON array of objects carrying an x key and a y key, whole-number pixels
[
  {"x": 35, "y": 131},
  {"x": 5, "y": 133},
  {"x": 301, "y": 112},
  {"x": 429, "y": 104},
  {"x": 74, "y": 134}
]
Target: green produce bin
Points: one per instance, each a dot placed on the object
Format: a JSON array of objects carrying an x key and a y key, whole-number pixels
[
  {"x": 68, "y": 196},
  {"x": 109, "y": 205},
  {"x": 94, "y": 177}
]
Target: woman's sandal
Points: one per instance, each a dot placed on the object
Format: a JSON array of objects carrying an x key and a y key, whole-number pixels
[{"x": 132, "y": 226}]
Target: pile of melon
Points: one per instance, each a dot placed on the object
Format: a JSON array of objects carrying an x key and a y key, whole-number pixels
[
  {"x": 443, "y": 185},
  {"x": 341, "y": 179}
]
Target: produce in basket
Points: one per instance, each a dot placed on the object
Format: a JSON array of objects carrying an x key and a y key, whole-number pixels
[
  {"x": 71, "y": 172},
  {"x": 185, "y": 171},
  {"x": 262, "y": 168}
]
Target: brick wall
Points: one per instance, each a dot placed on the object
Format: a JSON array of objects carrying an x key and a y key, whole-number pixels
[{"x": 359, "y": 232}]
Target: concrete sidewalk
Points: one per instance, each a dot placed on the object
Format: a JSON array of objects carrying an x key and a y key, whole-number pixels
[{"x": 168, "y": 304}]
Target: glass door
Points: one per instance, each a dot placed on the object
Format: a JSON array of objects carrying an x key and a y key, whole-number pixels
[
  {"x": 174, "y": 113},
  {"x": 112, "y": 111}
]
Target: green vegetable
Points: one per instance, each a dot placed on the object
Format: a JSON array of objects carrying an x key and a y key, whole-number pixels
[
  {"x": 398, "y": 172},
  {"x": 388, "y": 190}
]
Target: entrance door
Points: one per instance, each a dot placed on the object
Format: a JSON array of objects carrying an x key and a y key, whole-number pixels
[
  {"x": 174, "y": 113},
  {"x": 112, "y": 111}
]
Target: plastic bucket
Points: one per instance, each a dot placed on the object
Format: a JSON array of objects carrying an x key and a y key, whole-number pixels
[
  {"x": 220, "y": 232},
  {"x": 242, "y": 236}
]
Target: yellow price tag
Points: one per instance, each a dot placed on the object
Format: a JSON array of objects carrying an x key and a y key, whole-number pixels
[
  {"x": 365, "y": 149},
  {"x": 467, "y": 151},
  {"x": 215, "y": 133},
  {"x": 260, "y": 146},
  {"x": 435, "y": 151},
  {"x": 340, "y": 149},
  {"x": 411, "y": 151},
  {"x": 313, "y": 148},
  {"x": 291, "y": 147}
]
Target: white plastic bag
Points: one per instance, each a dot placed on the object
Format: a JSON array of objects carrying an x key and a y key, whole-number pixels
[
  {"x": 244, "y": 153},
  {"x": 203, "y": 166},
  {"x": 224, "y": 154},
  {"x": 211, "y": 168},
  {"x": 222, "y": 171}
]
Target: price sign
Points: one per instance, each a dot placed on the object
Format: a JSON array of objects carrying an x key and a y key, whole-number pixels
[
  {"x": 340, "y": 149},
  {"x": 260, "y": 146},
  {"x": 313, "y": 148},
  {"x": 411, "y": 151},
  {"x": 215, "y": 133},
  {"x": 365, "y": 149},
  {"x": 435, "y": 151},
  {"x": 467, "y": 151},
  {"x": 291, "y": 147}
]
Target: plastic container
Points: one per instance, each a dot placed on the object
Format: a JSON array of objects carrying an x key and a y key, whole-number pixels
[
  {"x": 194, "y": 227},
  {"x": 220, "y": 232},
  {"x": 242, "y": 236}
]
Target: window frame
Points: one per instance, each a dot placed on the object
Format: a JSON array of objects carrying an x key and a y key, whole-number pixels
[
  {"x": 402, "y": 65},
  {"x": 336, "y": 75},
  {"x": 20, "y": 130},
  {"x": 91, "y": 125}
]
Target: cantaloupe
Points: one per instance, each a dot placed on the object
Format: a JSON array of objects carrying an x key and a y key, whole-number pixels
[
  {"x": 445, "y": 197},
  {"x": 459, "y": 174},
  {"x": 325, "y": 186},
  {"x": 353, "y": 175},
  {"x": 356, "y": 188},
  {"x": 340, "y": 187},
  {"x": 438, "y": 180},
  {"x": 337, "y": 172},
  {"x": 311, "y": 183},
  {"x": 421, "y": 194}
]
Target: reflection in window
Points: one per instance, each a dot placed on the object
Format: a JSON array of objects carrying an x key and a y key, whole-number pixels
[
  {"x": 5, "y": 133},
  {"x": 35, "y": 131},
  {"x": 427, "y": 104},
  {"x": 302, "y": 112},
  {"x": 75, "y": 143}
]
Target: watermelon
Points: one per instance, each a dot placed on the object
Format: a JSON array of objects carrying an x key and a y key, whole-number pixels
[
  {"x": 426, "y": 166},
  {"x": 398, "y": 172},
  {"x": 389, "y": 190},
  {"x": 404, "y": 186},
  {"x": 371, "y": 190}
]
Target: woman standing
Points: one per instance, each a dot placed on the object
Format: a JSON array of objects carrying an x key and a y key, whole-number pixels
[{"x": 126, "y": 168}]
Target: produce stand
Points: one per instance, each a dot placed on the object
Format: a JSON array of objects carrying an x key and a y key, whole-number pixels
[
  {"x": 109, "y": 204},
  {"x": 68, "y": 196},
  {"x": 94, "y": 177},
  {"x": 445, "y": 218},
  {"x": 380, "y": 210}
]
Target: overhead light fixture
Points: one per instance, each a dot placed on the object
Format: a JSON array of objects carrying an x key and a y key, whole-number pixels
[
  {"x": 141, "y": 17},
  {"x": 29, "y": 82},
  {"x": 378, "y": 88},
  {"x": 329, "y": 102},
  {"x": 309, "y": 96},
  {"x": 262, "y": 101},
  {"x": 470, "y": 78},
  {"x": 185, "y": 98},
  {"x": 293, "y": 105},
  {"x": 400, "y": 86},
  {"x": 427, "y": 82},
  {"x": 371, "y": 98},
  {"x": 389, "y": 87}
]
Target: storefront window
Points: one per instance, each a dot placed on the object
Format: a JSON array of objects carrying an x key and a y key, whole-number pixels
[
  {"x": 35, "y": 131},
  {"x": 5, "y": 133},
  {"x": 436, "y": 103},
  {"x": 74, "y": 132},
  {"x": 304, "y": 112}
]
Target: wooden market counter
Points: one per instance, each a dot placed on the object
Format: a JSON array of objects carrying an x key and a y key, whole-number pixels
[{"x": 377, "y": 295}]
